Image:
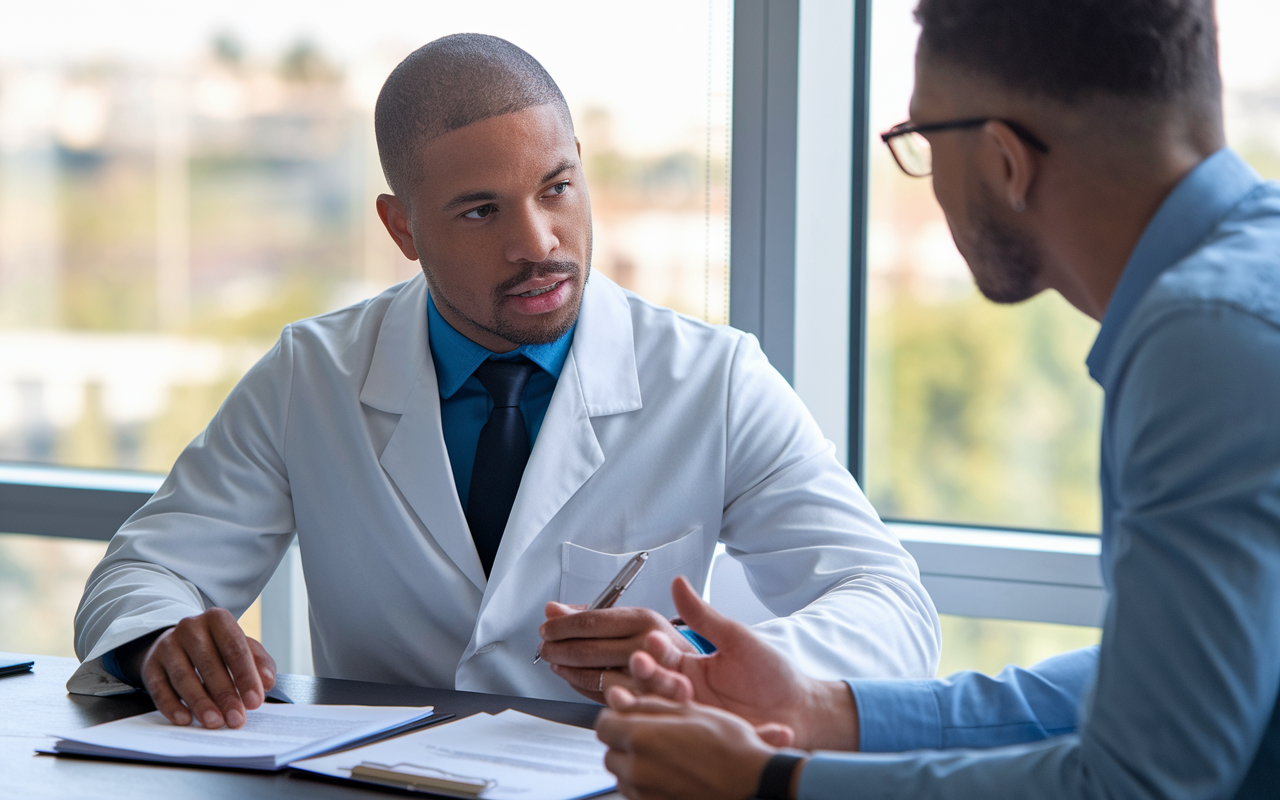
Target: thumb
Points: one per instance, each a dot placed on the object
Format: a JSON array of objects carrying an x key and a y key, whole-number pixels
[
  {"x": 776, "y": 735},
  {"x": 705, "y": 620},
  {"x": 553, "y": 609}
]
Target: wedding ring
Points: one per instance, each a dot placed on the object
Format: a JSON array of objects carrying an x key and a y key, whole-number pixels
[{"x": 601, "y": 687}]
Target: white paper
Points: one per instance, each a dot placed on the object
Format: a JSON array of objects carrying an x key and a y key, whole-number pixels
[
  {"x": 271, "y": 735},
  {"x": 528, "y": 758}
]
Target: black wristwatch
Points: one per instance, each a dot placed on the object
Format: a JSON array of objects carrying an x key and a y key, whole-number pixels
[{"x": 775, "y": 781}]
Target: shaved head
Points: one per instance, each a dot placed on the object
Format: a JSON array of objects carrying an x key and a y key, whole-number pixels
[{"x": 448, "y": 84}]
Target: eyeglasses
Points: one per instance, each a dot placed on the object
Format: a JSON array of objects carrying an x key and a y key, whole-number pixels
[{"x": 913, "y": 154}]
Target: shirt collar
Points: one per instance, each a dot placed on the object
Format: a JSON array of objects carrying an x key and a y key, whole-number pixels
[
  {"x": 456, "y": 356},
  {"x": 1191, "y": 211}
]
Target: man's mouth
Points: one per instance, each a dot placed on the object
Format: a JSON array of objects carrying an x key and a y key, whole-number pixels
[{"x": 543, "y": 290}]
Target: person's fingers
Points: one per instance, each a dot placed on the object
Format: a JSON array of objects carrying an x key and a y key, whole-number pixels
[
  {"x": 663, "y": 651},
  {"x": 619, "y": 698},
  {"x": 650, "y": 678},
  {"x": 652, "y": 704},
  {"x": 182, "y": 675},
  {"x": 611, "y": 728},
  {"x": 603, "y": 623},
  {"x": 590, "y": 682},
  {"x": 776, "y": 734},
  {"x": 589, "y": 653},
  {"x": 197, "y": 640},
  {"x": 618, "y": 762},
  {"x": 156, "y": 682},
  {"x": 246, "y": 689},
  {"x": 554, "y": 610},
  {"x": 265, "y": 663},
  {"x": 709, "y": 623}
]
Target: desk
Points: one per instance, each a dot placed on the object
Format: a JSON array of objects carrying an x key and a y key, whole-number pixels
[{"x": 35, "y": 704}]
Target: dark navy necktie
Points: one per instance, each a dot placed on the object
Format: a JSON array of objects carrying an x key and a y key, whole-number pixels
[{"x": 501, "y": 454}]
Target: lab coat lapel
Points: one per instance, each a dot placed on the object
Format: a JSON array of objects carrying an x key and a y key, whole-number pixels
[
  {"x": 402, "y": 380},
  {"x": 599, "y": 378}
]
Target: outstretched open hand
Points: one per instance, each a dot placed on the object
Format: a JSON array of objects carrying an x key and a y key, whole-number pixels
[{"x": 745, "y": 676}]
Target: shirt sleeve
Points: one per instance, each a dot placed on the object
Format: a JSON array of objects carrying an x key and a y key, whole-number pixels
[
  {"x": 970, "y": 709},
  {"x": 847, "y": 594},
  {"x": 213, "y": 533},
  {"x": 1184, "y": 703}
]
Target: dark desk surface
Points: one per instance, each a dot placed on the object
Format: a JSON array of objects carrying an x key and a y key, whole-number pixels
[{"x": 34, "y": 705}]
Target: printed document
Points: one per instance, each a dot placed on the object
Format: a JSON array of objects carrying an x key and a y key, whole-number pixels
[
  {"x": 272, "y": 736},
  {"x": 507, "y": 756}
]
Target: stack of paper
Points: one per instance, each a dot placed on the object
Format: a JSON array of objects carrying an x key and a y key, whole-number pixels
[
  {"x": 271, "y": 737},
  {"x": 507, "y": 756}
]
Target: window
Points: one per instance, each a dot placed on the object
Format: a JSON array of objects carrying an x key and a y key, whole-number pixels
[
  {"x": 982, "y": 414},
  {"x": 176, "y": 184}
]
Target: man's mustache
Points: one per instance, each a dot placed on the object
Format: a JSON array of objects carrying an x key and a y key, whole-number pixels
[{"x": 531, "y": 271}]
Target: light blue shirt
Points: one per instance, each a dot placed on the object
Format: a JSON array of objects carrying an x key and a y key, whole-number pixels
[
  {"x": 1180, "y": 699},
  {"x": 465, "y": 404}
]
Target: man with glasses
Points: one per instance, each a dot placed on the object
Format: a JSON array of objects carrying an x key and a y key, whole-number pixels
[{"x": 1074, "y": 145}]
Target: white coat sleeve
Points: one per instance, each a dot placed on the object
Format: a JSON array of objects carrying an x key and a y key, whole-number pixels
[
  {"x": 214, "y": 532},
  {"x": 848, "y": 595}
]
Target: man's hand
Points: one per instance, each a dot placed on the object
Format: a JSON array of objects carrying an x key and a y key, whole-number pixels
[
  {"x": 745, "y": 676},
  {"x": 662, "y": 749},
  {"x": 206, "y": 666},
  {"x": 590, "y": 649}
]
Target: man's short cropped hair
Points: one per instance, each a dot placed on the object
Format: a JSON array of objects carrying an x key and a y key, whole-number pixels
[
  {"x": 448, "y": 84},
  {"x": 1071, "y": 50}
]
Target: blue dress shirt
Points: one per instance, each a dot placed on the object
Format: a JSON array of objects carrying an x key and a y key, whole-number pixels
[
  {"x": 1181, "y": 698},
  {"x": 465, "y": 404}
]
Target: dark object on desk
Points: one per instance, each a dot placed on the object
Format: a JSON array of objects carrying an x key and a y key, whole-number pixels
[
  {"x": 276, "y": 695},
  {"x": 9, "y": 666}
]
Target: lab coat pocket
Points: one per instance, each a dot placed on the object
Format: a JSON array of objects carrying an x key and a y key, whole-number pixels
[{"x": 585, "y": 572}]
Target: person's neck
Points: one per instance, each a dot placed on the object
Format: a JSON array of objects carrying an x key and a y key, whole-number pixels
[{"x": 1096, "y": 221}]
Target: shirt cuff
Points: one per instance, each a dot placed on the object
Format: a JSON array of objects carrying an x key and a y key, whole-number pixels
[
  {"x": 699, "y": 643},
  {"x": 112, "y": 665},
  {"x": 897, "y": 715}
]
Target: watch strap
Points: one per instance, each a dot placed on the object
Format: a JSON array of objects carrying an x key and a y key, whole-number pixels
[{"x": 775, "y": 781}]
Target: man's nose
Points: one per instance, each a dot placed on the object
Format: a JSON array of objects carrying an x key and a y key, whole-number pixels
[{"x": 533, "y": 237}]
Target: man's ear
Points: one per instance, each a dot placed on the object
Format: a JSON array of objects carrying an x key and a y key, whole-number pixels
[
  {"x": 1017, "y": 165},
  {"x": 578, "y": 145},
  {"x": 396, "y": 217}
]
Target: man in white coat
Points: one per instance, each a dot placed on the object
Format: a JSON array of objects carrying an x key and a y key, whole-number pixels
[{"x": 369, "y": 434}]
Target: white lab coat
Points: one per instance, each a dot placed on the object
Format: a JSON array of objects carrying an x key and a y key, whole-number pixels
[{"x": 663, "y": 434}]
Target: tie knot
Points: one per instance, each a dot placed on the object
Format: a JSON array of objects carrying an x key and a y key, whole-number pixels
[{"x": 505, "y": 380}]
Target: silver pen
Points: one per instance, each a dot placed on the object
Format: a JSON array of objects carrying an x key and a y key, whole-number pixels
[{"x": 613, "y": 592}]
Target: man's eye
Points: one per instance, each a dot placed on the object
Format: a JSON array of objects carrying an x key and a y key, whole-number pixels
[
  {"x": 481, "y": 212},
  {"x": 560, "y": 188}
]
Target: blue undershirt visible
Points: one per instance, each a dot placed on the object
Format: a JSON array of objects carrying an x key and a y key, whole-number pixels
[{"x": 465, "y": 404}]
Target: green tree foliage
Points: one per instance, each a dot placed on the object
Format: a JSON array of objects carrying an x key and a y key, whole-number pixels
[{"x": 983, "y": 415}]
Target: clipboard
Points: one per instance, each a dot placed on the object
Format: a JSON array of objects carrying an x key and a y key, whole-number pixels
[{"x": 416, "y": 778}]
